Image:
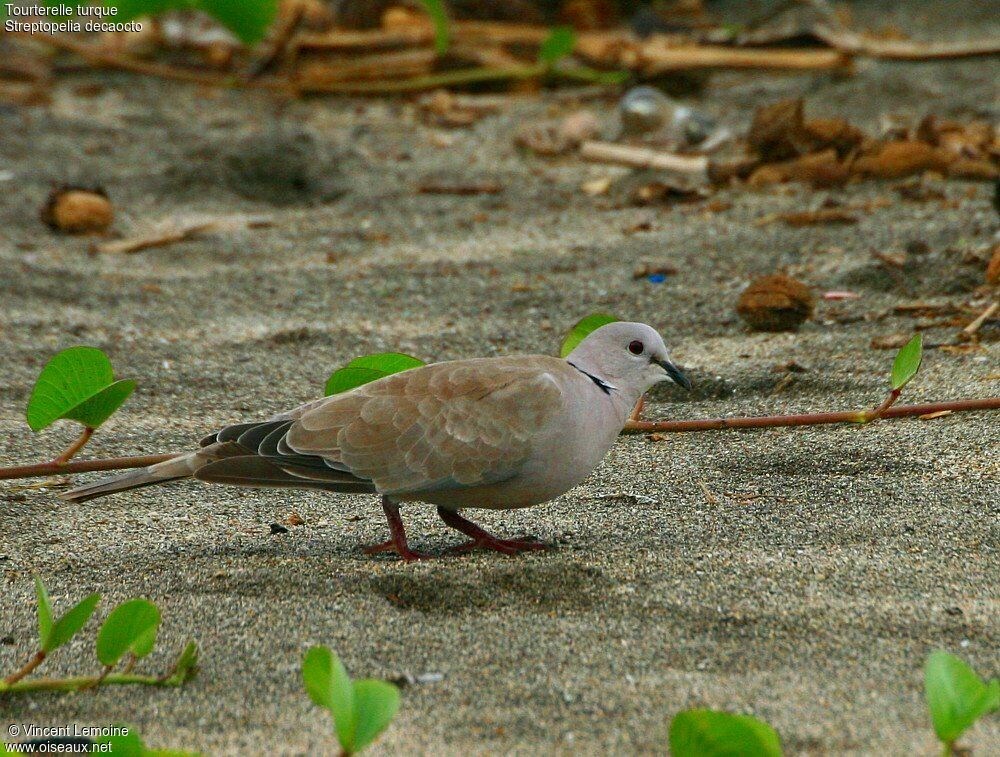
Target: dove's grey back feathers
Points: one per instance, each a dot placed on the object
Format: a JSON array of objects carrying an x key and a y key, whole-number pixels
[{"x": 461, "y": 424}]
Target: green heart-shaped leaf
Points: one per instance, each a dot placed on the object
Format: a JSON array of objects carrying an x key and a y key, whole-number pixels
[
  {"x": 52, "y": 634},
  {"x": 582, "y": 328},
  {"x": 329, "y": 687},
  {"x": 71, "y": 622},
  {"x": 439, "y": 18},
  {"x": 247, "y": 19},
  {"x": 131, "y": 627},
  {"x": 956, "y": 696},
  {"x": 94, "y": 411},
  {"x": 557, "y": 45},
  {"x": 907, "y": 362},
  {"x": 144, "y": 643},
  {"x": 369, "y": 368},
  {"x": 376, "y": 704},
  {"x": 78, "y": 384},
  {"x": 710, "y": 733}
]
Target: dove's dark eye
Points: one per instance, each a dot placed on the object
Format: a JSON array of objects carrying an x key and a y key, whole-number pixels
[{"x": 635, "y": 347}]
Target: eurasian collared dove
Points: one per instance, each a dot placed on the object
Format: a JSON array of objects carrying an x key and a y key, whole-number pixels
[{"x": 503, "y": 432}]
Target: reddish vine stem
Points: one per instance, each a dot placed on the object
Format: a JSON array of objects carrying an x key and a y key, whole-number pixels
[
  {"x": 75, "y": 447},
  {"x": 809, "y": 419},
  {"x": 33, "y": 663},
  {"x": 95, "y": 682},
  {"x": 882, "y": 409},
  {"x": 637, "y": 410},
  {"x": 81, "y": 466}
]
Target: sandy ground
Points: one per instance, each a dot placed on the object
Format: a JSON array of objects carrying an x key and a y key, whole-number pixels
[{"x": 799, "y": 575}]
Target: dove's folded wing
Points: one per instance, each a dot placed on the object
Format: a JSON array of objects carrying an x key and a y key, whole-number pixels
[{"x": 448, "y": 425}]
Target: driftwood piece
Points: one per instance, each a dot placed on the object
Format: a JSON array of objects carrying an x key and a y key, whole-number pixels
[
  {"x": 693, "y": 166},
  {"x": 687, "y": 58},
  {"x": 400, "y": 63},
  {"x": 180, "y": 231},
  {"x": 894, "y": 49},
  {"x": 661, "y": 54}
]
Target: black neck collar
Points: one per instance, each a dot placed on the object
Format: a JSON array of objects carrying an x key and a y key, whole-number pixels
[{"x": 603, "y": 385}]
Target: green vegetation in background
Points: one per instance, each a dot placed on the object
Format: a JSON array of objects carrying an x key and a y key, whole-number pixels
[
  {"x": 247, "y": 19},
  {"x": 439, "y": 18},
  {"x": 555, "y": 47}
]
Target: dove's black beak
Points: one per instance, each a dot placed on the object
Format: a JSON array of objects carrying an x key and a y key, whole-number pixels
[{"x": 676, "y": 374}]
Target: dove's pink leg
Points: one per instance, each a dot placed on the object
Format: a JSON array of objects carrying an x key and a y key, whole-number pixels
[
  {"x": 484, "y": 539},
  {"x": 397, "y": 543}
]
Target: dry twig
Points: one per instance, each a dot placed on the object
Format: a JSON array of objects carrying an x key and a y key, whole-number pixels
[
  {"x": 180, "y": 233},
  {"x": 643, "y": 157},
  {"x": 852, "y": 43},
  {"x": 980, "y": 319}
]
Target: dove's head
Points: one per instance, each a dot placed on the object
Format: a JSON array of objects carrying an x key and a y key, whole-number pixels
[{"x": 631, "y": 357}]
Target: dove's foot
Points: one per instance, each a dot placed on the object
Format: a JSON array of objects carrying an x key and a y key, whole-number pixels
[
  {"x": 400, "y": 549},
  {"x": 481, "y": 539},
  {"x": 507, "y": 546},
  {"x": 398, "y": 542}
]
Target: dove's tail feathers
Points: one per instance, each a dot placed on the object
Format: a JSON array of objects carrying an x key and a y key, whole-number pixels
[
  {"x": 260, "y": 472},
  {"x": 174, "y": 469}
]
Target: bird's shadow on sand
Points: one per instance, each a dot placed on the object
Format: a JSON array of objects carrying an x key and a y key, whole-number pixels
[
  {"x": 832, "y": 458},
  {"x": 534, "y": 584},
  {"x": 445, "y": 585}
]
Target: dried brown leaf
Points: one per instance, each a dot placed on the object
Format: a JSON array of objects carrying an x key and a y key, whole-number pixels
[
  {"x": 890, "y": 341},
  {"x": 775, "y": 303},
  {"x": 777, "y": 131},
  {"x": 821, "y": 169},
  {"x": 993, "y": 268},
  {"x": 898, "y": 159},
  {"x": 821, "y": 217}
]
